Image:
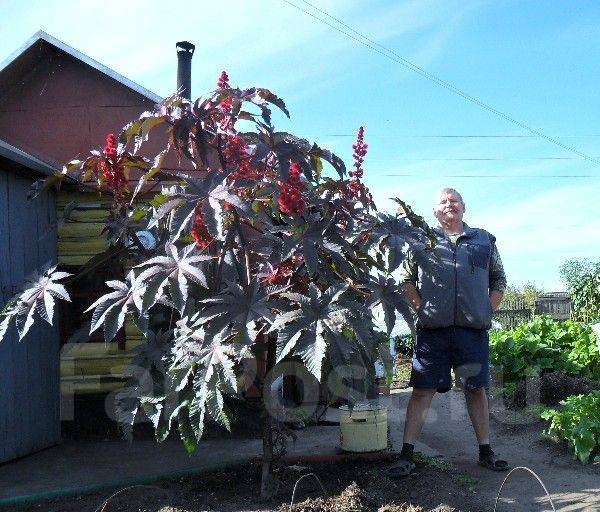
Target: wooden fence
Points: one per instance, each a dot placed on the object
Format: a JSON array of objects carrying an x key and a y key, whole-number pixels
[
  {"x": 555, "y": 304},
  {"x": 512, "y": 313}
]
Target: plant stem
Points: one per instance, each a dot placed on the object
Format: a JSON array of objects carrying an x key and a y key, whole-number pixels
[{"x": 266, "y": 489}]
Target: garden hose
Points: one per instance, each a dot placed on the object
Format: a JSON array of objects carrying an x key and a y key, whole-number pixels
[{"x": 523, "y": 468}]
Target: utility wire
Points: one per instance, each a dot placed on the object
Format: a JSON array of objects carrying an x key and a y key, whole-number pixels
[
  {"x": 520, "y": 176},
  {"x": 392, "y": 55},
  {"x": 456, "y": 136},
  {"x": 482, "y": 159}
]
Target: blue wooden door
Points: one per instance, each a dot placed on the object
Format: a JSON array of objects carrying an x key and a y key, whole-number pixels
[{"x": 29, "y": 370}]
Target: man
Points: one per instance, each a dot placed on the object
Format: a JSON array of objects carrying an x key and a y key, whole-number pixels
[{"x": 453, "y": 289}]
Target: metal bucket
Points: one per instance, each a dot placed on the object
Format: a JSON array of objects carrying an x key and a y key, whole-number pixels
[{"x": 364, "y": 428}]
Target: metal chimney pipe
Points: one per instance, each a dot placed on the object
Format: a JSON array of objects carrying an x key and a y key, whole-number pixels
[{"x": 185, "y": 50}]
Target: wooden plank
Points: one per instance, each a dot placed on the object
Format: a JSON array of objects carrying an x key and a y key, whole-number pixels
[
  {"x": 44, "y": 338},
  {"x": 48, "y": 337},
  {"x": 17, "y": 196},
  {"x": 68, "y": 247},
  {"x": 7, "y": 416},
  {"x": 85, "y": 215},
  {"x": 75, "y": 261},
  {"x": 81, "y": 231},
  {"x": 65, "y": 197},
  {"x": 32, "y": 345}
]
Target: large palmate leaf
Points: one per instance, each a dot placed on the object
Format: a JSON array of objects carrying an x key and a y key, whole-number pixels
[
  {"x": 315, "y": 239},
  {"x": 109, "y": 310},
  {"x": 203, "y": 367},
  {"x": 174, "y": 270},
  {"x": 38, "y": 297},
  {"x": 304, "y": 331},
  {"x": 386, "y": 295},
  {"x": 239, "y": 310},
  {"x": 146, "y": 373},
  {"x": 392, "y": 235},
  {"x": 208, "y": 191}
]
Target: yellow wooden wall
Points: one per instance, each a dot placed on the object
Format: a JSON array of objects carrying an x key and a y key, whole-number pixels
[{"x": 89, "y": 367}]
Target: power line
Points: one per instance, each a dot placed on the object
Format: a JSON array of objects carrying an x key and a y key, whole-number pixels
[
  {"x": 458, "y": 136},
  {"x": 393, "y": 56},
  {"x": 519, "y": 176},
  {"x": 483, "y": 159}
]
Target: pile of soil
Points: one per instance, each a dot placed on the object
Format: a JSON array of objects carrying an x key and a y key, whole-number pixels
[
  {"x": 354, "y": 486},
  {"x": 553, "y": 387},
  {"x": 354, "y": 499}
]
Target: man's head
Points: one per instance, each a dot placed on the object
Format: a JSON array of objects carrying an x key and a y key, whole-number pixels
[{"x": 450, "y": 207}]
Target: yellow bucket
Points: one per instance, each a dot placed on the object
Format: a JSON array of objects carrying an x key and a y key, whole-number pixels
[{"x": 364, "y": 428}]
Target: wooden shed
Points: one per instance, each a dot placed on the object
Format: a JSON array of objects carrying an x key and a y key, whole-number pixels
[
  {"x": 29, "y": 380},
  {"x": 55, "y": 104}
]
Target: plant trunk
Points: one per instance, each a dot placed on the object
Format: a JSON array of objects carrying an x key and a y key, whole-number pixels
[
  {"x": 266, "y": 487},
  {"x": 266, "y": 483}
]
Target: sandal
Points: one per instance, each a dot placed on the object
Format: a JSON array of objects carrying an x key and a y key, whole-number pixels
[
  {"x": 401, "y": 469},
  {"x": 491, "y": 462}
]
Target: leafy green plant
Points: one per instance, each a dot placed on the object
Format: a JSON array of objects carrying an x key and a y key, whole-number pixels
[
  {"x": 583, "y": 282},
  {"x": 542, "y": 345},
  {"x": 404, "y": 344},
  {"x": 578, "y": 423}
]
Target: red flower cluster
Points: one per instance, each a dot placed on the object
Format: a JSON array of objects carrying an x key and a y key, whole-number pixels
[
  {"x": 225, "y": 105},
  {"x": 290, "y": 192},
  {"x": 356, "y": 190},
  {"x": 360, "y": 150},
  {"x": 223, "y": 81},
  {"x": 112, "y": 170},
  {"x": 281, "y": 273},
  {"x": 110, "y": 150},
  {"x": 236, "y": 154},
  {"x": 199, "y": 231}
]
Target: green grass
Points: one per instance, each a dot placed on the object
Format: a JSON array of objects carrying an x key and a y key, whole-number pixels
[{"x": 460, "y": 478}]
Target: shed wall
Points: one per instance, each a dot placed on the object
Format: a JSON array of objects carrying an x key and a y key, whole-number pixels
[{"x": 29, "y": 380}]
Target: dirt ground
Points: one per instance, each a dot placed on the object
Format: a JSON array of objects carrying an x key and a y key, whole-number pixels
[
  {"x": 449, "y": 476},
  {"x": 351, "y": 487}
]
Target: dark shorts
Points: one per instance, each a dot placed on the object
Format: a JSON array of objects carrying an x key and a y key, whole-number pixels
[{"x": 437, "y": 351}]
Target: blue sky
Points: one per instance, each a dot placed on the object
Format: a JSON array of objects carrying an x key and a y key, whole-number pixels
[{"x": 536, "y": 61}]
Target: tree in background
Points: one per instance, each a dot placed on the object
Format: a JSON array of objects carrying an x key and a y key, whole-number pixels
[
  {"x": 582, "y": 277},
  {"x": 527, "y": 293},
  {"x": 254, "y": 248}
]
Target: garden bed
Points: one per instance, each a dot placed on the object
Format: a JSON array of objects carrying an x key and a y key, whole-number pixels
[
  {"x": 353, "y": 486},
  {"x": 553, "y": 387}
]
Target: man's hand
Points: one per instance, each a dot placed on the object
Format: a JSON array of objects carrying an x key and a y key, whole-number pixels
[
  {"x": 495, "y": 299},
  {"x": 411, "y": 295}
]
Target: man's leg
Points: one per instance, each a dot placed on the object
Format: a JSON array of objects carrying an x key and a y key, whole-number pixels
[
  {"x": 477, "y": 405},
  {"x": 472, "y": 364},
  {"x": 416, "y": 413}
]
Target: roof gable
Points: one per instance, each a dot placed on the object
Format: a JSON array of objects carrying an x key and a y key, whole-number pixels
[{"x": 24, "y": 58}]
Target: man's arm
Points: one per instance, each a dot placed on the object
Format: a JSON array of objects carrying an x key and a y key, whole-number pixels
[
  {"x": 496, "y": 299},
  {"x": 497, "y": 278}
]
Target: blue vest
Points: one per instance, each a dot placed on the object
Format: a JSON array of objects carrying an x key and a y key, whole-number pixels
[{"x": 453, "y": 281}]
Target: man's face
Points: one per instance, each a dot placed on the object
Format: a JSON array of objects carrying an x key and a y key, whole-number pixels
[{"x": 449, "y": 208}]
